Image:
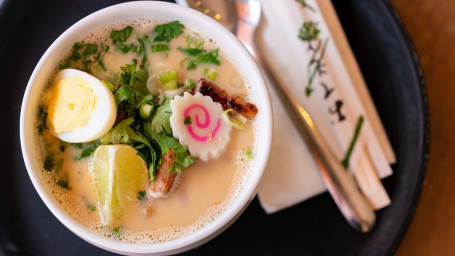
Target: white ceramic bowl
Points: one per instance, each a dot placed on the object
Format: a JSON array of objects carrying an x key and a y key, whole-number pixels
[{"x": 191, "y": 19}]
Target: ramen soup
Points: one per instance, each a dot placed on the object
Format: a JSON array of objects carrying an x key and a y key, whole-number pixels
[{"x": 147, "y": 131}]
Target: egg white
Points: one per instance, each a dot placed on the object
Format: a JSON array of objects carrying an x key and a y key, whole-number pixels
[{"x": 102, "y": 117}]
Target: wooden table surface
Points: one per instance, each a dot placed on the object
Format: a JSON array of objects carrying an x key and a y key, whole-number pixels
[{"x": 431, "y": 25}]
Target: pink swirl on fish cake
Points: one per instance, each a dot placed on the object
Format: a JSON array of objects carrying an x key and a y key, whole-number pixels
[{"x": 201, "y": 125}]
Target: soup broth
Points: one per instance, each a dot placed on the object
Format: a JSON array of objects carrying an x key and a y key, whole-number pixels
[{"x": 206, "y": 188}]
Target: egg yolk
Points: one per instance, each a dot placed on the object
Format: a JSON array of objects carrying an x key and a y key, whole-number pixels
[{"x": 71, "y": 104}]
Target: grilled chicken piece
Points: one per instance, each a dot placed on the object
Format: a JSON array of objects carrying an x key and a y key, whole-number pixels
[
  {"x": 165, "y": 182},
  {"x": 217, "y": 94}
]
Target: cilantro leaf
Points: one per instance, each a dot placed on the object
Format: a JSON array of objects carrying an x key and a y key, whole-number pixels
[
  {"x": 88, "y": 149},
  {"x": 124, "y": 48},
  {"x": 209, "y": 58},
  {"x": 85, "y": 153},
  {"x": 166, "y": 32},
  {"x": 142, "y": 40},
  {"x": 74, "y": 56},
  {"x": 182, "y": 158},
  {"x": 121, "y": 35},
  {"x": 187, "y": 120},
  {"x": 122, "y": 94},
  {"x": 48, "y": 163},
  {"x": 160, "y": 48},
  {"x": 63, "y": 183},
  {"x": 90, "y": 49},
  {"x": 133, "y": 85},
  {"x": 191, "y": 51},
  {"x": 77, "y": 145},
  {"x": 141, "y": 194},
  {"x": 140, "y": 85},
  {"x": 160, "y": 120}
]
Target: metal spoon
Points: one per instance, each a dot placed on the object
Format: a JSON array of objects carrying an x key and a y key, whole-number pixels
[{"x": 243, "y": 23}]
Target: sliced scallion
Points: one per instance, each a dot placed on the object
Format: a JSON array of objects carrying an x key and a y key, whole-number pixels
[
  {"x": 234, "y": 119},
  {"x": 210, "y": 74},
  {"x": 169, "y": 79},
  {"x": 145, "y": 110},
  {"x": 189, "y": 84}
]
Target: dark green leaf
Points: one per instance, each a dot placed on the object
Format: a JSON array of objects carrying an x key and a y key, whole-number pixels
[
  {"x": 121, "y": 35},
  {"x": 87, "y": 64},
  {"x": 77, "y": 145},
  {"x": 182, "y": 159},
  {"x": 191, "y": 51},
  {"x": 48, "y": 163},
  {"x": 63, "y": 183},
  {"x": 85, "y": 153},
  {"x": 74, "y": 56},
  {"x": 101, "y": 63},
  {"x": 90, "y": 49},
  {"x": 124, "y": 48},
  {"x": 142, "y": 40},
  {"x": 160, "y": 120},
  {"x": 160, "y": 47},
  {"x": 123, "y": 93},
  {"x": 208, "y": 58},
  {"x": 166, "y": 32},
  {"x": 187, "y": 120},
  {"x": 141, "y": 195}
]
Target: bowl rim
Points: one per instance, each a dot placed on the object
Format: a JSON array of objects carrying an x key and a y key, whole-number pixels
[{"x": 265, "y": 130}]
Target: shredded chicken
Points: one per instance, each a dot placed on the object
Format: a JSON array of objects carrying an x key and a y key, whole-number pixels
[
  {"x": 217, "y": 94},
  {"x": 165, "y": 182}
]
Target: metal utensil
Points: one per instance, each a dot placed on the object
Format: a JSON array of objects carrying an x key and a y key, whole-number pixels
[{"x": 243, "y": 23}]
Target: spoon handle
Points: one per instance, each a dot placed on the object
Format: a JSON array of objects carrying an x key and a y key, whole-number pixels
[{"x": 339, "y": 182}]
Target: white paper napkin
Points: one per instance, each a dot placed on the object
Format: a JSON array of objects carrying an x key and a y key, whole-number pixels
[{"x": 291, "y": 175}]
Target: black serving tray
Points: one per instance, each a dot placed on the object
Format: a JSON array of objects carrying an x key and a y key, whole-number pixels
[{"x": 315, "y": 227}]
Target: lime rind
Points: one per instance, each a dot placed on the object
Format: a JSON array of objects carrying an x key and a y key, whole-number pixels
[{"x": 118, "y": 173}]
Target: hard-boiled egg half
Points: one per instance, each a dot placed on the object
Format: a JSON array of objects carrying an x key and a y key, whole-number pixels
[{"x": 80, "y": 107}]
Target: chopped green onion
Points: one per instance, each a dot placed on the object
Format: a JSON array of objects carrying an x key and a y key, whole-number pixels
[
  {"x": 189, "y": 84},
  {"x": 249, "y": 154},
  {"x": 194, "y": 42},
  {"x": 145, "y": 110},
  {"x": 210, "y": 74},
  {"x": 234, "y": 119},
  {"x": 169, "y": 79}
]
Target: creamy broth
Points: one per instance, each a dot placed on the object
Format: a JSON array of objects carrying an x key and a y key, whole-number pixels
[{"x": 205, "y": 189}]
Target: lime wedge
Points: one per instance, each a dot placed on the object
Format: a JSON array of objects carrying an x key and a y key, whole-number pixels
[{"x": 118, "y": 174}]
